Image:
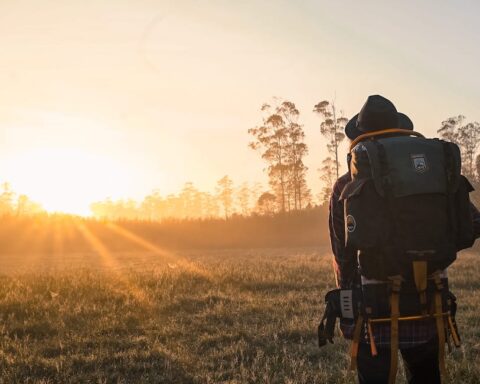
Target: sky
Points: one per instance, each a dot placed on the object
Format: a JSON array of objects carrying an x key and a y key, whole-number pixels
[{"x": 115, "y": 98}]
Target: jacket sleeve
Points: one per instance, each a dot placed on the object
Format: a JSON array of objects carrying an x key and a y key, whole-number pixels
[{"x": 345, "y": 260}]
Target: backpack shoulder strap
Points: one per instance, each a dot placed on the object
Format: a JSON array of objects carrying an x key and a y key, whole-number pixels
[
  {"x": 389, "y": 131},
  {"x": 378, "y": 164}
]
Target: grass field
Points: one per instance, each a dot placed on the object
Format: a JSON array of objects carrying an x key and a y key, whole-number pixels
[{"x": 240, "y": 316}]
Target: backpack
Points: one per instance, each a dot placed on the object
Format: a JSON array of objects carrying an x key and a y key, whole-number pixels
[
  {"x": 406, "y": 203},
  {"x": 407, "y": 213}
]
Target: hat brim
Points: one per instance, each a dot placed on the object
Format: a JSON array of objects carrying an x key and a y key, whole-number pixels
[
  {"x": 352, "y": 131},
  {"x": 404, "y": 121}
]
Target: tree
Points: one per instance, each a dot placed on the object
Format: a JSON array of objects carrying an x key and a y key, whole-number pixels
[
  {"x": 267, "y": 203},
  {"x": 297, "y": 150},
  {"x": 225, "y": 194},
  {"x": 304, "y": 194},
  {"x": 327, "y": 175},
  {"x": 271, "y": 139},
  {"x": 331, "y": 127},
  {"x": 467, "y": 137},
  {"x": 6, "y": 199},
  {"x": 151, "y": 206},
  {"x": 256, "y": 191},
  {"x": 449, "y": 128},
  {"x": 191, "y": 201},
  {"x": 280, "y": 140},
  {"x": 243, "y": 197},
  {"x": 27, "y": 207},
  {"x": 211, "y": 205}
]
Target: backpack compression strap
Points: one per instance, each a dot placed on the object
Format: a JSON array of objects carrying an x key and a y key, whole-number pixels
[
  {"x": 397, "y": 131},
  {"x": 439, "y": 317},
  {"x": 420, "y": 278},
  {"x": 355, "y": 342},
  {"x": 395, "y": 314}
]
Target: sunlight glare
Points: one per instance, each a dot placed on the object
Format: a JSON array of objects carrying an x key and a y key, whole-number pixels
[{"x": 65, "y": 180}]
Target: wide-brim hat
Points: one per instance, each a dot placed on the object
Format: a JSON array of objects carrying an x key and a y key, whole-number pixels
[
  {"x": 376, "y": 114},
  {"x": 353, "y": 130}
]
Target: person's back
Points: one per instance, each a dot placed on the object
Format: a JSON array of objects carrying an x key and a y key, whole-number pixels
[{"x": 369, "y": 229}]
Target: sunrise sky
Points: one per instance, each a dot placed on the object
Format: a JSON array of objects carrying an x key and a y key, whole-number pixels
[{"x": 115, "y": 98}]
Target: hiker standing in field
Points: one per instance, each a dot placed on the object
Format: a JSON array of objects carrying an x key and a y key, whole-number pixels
[{"x": 397, "y": 219}]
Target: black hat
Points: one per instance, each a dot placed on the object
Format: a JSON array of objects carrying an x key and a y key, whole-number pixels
[
  {"x": 352, "y": 130},
  {"x": 376, "y": 114},
  {"x": 404, "y": 122}
]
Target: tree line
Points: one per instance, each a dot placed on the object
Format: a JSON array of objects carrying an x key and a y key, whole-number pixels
[
  {"x": 15, "y": 204},
  {"x": 280, "y": 141},
  {"x": 190, "y": 203}
]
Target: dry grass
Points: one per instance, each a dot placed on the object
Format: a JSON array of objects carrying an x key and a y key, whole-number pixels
[{"x": 215, "y": 317}]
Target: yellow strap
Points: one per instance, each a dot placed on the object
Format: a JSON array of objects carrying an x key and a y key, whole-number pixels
[
  {"x": 440, "y": 325},
  {"x": 447, "y": 337},
  {"x": 373, "y": 346},
  {"x": 395, "y": 314},
  {"x": 405, "y": 318},
  {"x": 355, "y": 342},
  {"x": 453, "y": 331},
  {"x": 420, "y": 277},
  {"x": 367, "y": 135}
]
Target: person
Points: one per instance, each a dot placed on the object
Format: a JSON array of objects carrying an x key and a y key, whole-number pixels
[{"x": 417, "y": 340}]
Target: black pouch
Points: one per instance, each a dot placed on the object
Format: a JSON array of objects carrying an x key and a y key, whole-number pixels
[
  {"x": 366, "y": 215},
  {"x": 339, "y": 303},
  {"x": 326, "y": 328}
]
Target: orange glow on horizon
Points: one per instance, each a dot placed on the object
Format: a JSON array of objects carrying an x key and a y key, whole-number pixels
[{"x": 65, "y": 180}]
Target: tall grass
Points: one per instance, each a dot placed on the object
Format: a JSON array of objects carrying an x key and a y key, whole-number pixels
[{"x": 238, "y": 316}]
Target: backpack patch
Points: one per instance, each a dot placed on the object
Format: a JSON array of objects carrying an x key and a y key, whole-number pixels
[
  {"x": 351, "y": 223},
  {"x": 419, "y": 163}
]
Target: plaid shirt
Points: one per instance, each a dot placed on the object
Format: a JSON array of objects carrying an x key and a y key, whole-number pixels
[{"x": 410, "y": 333}]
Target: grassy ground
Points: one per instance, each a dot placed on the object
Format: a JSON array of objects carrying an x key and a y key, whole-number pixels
[{"x": 198, "y": 317}]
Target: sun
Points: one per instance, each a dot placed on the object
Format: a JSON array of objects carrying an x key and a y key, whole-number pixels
[{"x": 65, "y": 180}]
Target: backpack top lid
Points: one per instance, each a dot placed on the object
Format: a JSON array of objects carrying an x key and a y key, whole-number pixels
[{"x": 407, "y": 165}]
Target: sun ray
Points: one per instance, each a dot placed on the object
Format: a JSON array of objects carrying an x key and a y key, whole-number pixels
[
  {"x": 36, "y": 236},
  {"x": 111, "y": 264},
  {"x": 16, "y": 258},
  {"x": 58, "y": 236},
  {"x": 163, "y": 253}
]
